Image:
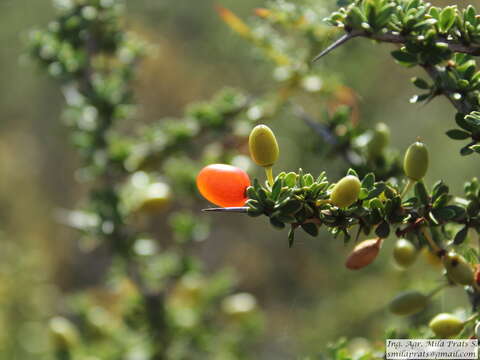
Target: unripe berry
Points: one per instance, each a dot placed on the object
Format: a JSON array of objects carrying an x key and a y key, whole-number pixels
[
  {"x": 408, "y": 303},
  {"x": 263, "y": 146},
  {"x": 363, "y": 254},
  {"x": 458, "y": 269},
  {"x": 239, "y": 305},
  {"x": 431, "y": 258},
  {"x": 446, "y": 325},
  {"x": 223, "y": 185},
  {"x": 404, "y": 253},
  {"x": 415, "y": 163},
  {"x": 345, "y": 192},
  {"x": 379, "y": 140},
  {"x": 63, "y": 332},
  {"x": 156, "y": 198}
]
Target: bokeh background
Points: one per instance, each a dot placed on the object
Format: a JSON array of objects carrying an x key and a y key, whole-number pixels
[{"x": 308, "y": 297}]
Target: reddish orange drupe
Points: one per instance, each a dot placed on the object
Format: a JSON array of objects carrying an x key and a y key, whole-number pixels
[{"x": 223, "y": 185}]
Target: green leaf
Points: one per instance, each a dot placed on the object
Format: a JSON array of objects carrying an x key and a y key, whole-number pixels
[
  {"x": 368, "y": 181},
  {"x": 457, "y": 134},
  {"x": 461, "y": 236},
  {"x": 420, "y": 83},
  {"x": 291, "y": 207},
  {"x": 276, "y": 189},
  {"x": 291, "y": 237},
  {"x": 404, "y": 57},
  {"x": 421, "y": 193},
  {"x": 277, "y": 223},
  {"x": 290, "y": 179},
  {"x": 310, "y": 229},
  {"x": 352, "y": 172},
  {"x": 447, "y": 19},
  {"x": 383, "y": 230},
  {"x": 466, "y": 150},
  {"x": 475, "y": 148}
]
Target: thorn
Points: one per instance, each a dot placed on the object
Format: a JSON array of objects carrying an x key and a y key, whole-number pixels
[
  {"x": 336, "y": 44},
  {"x": 227, "y": 209}
]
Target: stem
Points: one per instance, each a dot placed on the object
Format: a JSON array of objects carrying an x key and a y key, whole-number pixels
[
  {"x": 428, "y": 237},
  {"x": 437, "y": 290},
  {"x": 269, "y": 173},
  {"x": 408, "y": 187}
]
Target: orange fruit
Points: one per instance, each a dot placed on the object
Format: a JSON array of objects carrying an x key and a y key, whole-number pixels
[{"x": 223, "y": 185}]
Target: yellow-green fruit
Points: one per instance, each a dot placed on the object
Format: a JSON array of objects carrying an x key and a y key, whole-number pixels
[
  {"x": 431, "y": 258},
  {"x": 63, "y": 332},
  {"x": 156, "y": 198},
  {"x": 458, "y": 269},
  {"x": 363, "y": 254},
  {"x": 446, "y": 325},
  {"x": 345, "y": 192},
  {"x": 263, "y": 146},
  {"x": 415, "y": 163},
  {"x": 404, "y": 253},
  {"x": 408, "y": 303},
  {"x": 379, "y": 140}
]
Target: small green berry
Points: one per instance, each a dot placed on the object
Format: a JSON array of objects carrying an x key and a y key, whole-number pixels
[
  {"x": 63, "y": 332},
  {"x": 446, "y": 325},
  {"x": 263, "y": 146},
  {"x": 404, "y": 253},
  {"x": 379, "y": 140},
  {"x": 415, "y": 163},
  {"x": 458, "y": 269},
  {"x": 408, "y": 303},
  {"x": 345, "y": 192}
]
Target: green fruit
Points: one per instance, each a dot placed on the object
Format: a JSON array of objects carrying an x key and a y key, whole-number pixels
[
  {"x": 415, "y": 163},
  {"x": 408, "y": 303},
  {"x": 63, "y": 332},
  {"x": 263, "y": 146},
  {"x": 363, "y": 254},
  {"x": 345, "y": 192},
  {"x": 379, "y": 140},
  {"x": 458, "y": 269},
  {"x": 446, "y": 325},
  {"x": 404, "y": 253}
]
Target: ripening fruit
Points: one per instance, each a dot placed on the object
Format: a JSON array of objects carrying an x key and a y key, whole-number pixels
[
  {"x": 379, "y": 140},
  {"x": 223, "y": 185},
  {"x": 415, "y": 163},
  {"x": 263, "y": 146},
  {"x": 345, "y": 192},
  {"x": 363, "y": 254},
  {"x": 446, "y": 325},
  {"x": 408, "y": 303},
  {"x": 458, "y": 269},
  {"x": 404, "y": 253}
]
